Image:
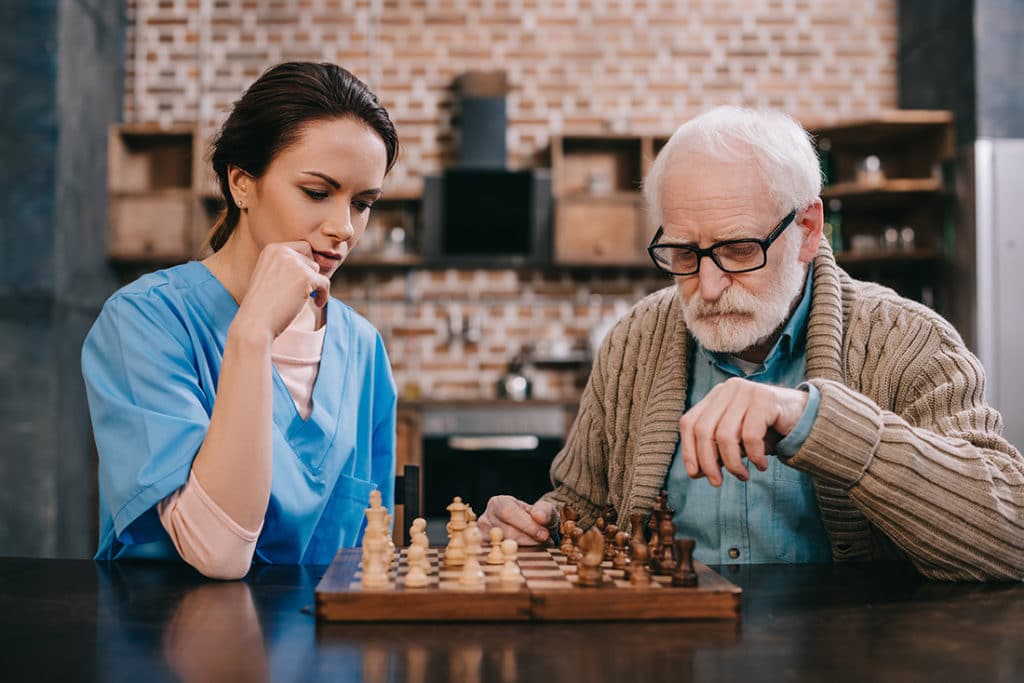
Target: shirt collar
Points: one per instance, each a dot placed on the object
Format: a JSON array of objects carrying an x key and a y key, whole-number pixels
[{"x": 789, "y": 344}]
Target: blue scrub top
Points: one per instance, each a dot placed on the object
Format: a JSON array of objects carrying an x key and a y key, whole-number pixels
[{"x": 151, "y": 364}]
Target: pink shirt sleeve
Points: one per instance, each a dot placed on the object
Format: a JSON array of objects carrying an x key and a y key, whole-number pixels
[{"x": 206, "y": 537}]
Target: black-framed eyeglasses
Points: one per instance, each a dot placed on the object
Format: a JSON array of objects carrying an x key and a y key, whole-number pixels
[{"x": 732, "y": 256}]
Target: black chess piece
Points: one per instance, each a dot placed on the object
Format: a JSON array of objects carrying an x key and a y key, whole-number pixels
[
  {"x": 609, "y": 541},
  {"x": 611, "y": 515},
  {"x": 621, "y": 559},
  {"x": 654, "y": 539},
  {"x": 577, "y": 536},
  {"x": 667, "y": 509},
  {"x": 591, "y": 548},
  {"x": 636, "y": 525},
  {"x": 639, "y": 573},
  {"x": 666, "y": 554},
  {"x": 685, "y": 575},
  {"x": 567, "y": 538}
]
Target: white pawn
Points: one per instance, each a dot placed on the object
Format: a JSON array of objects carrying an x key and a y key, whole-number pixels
[
  {"x": 421, "y": 540},
  {"x": 496, "y": 556},
  {"x": 510, "y": 572},
  {"x": 416, "y": 578},
  {"x": 419, "y": 525},
  {"x": 472, "y": 576}
]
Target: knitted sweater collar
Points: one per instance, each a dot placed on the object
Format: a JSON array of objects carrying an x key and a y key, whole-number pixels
[{"x": 824, "y": 360}]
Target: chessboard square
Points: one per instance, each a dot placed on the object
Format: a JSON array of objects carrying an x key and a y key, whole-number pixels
[
  {"x": 543, "y": 573},
  {"x": 536, "y": 565}
]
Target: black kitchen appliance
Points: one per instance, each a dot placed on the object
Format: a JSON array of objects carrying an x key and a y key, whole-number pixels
[
  {"x": 481, "y": 213},
  {"x": 487, "y": 217},
  {"x": 476, "y": 452}
]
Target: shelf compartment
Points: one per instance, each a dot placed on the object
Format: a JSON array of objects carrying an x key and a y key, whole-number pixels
[
  {"x": 148, "y": 158},
  {"x": 154, "y": 226},
  {"x": 596, "y": 165}
]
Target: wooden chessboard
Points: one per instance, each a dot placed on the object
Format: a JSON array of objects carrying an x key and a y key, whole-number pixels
[{"x": 549, "y": 593}]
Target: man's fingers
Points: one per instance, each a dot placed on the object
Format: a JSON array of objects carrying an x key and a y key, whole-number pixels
[
  {"x": 543, "y": 512},
  {"x": 727, "y": 440},
  {"x": 753, "y": 436},
  {"x": 516, "y": 514},
  {"x": 707, "y": 454},
  {"x": 688, "y": 444}
]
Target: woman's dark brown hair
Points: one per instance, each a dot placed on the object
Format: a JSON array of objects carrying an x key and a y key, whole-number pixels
[{"x": 271, "y": 115}]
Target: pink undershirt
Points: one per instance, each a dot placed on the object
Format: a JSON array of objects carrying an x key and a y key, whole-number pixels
[{"x": 206, "y": 537}]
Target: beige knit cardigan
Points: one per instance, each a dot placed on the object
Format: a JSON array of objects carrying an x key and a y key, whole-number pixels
[{"x": 906, "y": 456}]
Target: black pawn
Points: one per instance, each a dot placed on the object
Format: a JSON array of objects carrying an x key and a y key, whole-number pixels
[{"x": 684, "y": 575}]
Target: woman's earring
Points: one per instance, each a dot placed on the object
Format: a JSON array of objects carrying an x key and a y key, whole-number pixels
[{"x": 239, "y": 202}]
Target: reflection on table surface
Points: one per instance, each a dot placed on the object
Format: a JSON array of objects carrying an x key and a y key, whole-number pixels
[{"x": 79, "y": 620}]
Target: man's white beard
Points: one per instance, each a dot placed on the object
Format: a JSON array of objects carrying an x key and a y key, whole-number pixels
[{"x": 757, "y": 317}]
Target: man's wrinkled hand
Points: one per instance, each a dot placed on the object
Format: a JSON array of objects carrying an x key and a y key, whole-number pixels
[
  {"x": 738, "y": 418},
  {"x": 519, "y": 521}
]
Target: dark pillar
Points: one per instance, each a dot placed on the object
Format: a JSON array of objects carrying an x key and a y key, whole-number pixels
[
  {"x": 61, "y": 82},
  {"x": 936, "y": 60},
  {"x": 1000, "y": 60}
]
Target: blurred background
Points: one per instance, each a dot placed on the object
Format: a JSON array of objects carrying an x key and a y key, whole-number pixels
[{"x": 512, "y": 232}]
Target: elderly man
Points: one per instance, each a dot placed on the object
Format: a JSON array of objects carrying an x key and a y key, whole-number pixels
[{"x": 862, "y": 413}]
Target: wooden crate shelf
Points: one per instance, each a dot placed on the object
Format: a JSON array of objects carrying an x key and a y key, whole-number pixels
[{"x": 155, "y": 208}]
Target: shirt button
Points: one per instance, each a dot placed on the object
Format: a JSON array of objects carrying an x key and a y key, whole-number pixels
[{"x": 734, "y": 553}]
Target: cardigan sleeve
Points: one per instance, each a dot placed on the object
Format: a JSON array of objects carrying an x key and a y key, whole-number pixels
[
  {"x": 579, "y": 472},
  {"x": 930, "y": 469}
]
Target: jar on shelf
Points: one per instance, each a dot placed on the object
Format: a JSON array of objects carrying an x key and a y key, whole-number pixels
[{"x": 869, "y": 171}]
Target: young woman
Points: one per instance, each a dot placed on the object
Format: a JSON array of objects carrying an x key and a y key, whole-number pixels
[{"x": 239, "y": 411}]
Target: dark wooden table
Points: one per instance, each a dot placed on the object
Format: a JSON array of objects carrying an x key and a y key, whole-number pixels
[{"x": 83, "y": 621}]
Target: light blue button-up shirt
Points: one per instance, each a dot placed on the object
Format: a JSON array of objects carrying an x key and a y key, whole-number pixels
[{"x": 774, "y": 516}]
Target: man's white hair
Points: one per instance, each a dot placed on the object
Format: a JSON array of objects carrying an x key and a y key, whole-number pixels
[{"x": 776, "y": 144}]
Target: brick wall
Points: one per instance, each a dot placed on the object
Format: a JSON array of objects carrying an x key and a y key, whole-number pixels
[
  {"x": 428, "y": 319},
  {"x": 573, "y": 65}
]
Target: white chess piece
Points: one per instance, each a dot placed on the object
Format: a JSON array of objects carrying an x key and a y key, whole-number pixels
[
  {"x": 455, "y": 553},
  {"x": 496, "y": 556},
  {"x": 416, "y": 578},
  {"x": 510, "y": 574},
  {"x": 421, "y": 540},
  {"x": 389, "y": 542},
  {"x": 472, "y": 576},
  {"x": 419, "y": 525},
  {"x": 375, "y": 569},
  {"x": 376, "y": 523}
]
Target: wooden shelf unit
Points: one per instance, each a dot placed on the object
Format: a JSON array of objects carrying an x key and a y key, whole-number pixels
[
  {"x": 156, "y": 213},
  {"x": 164, "y": 199},
  {"x": 600, "y": 217},
  {"x": 913, "y": 188}
]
